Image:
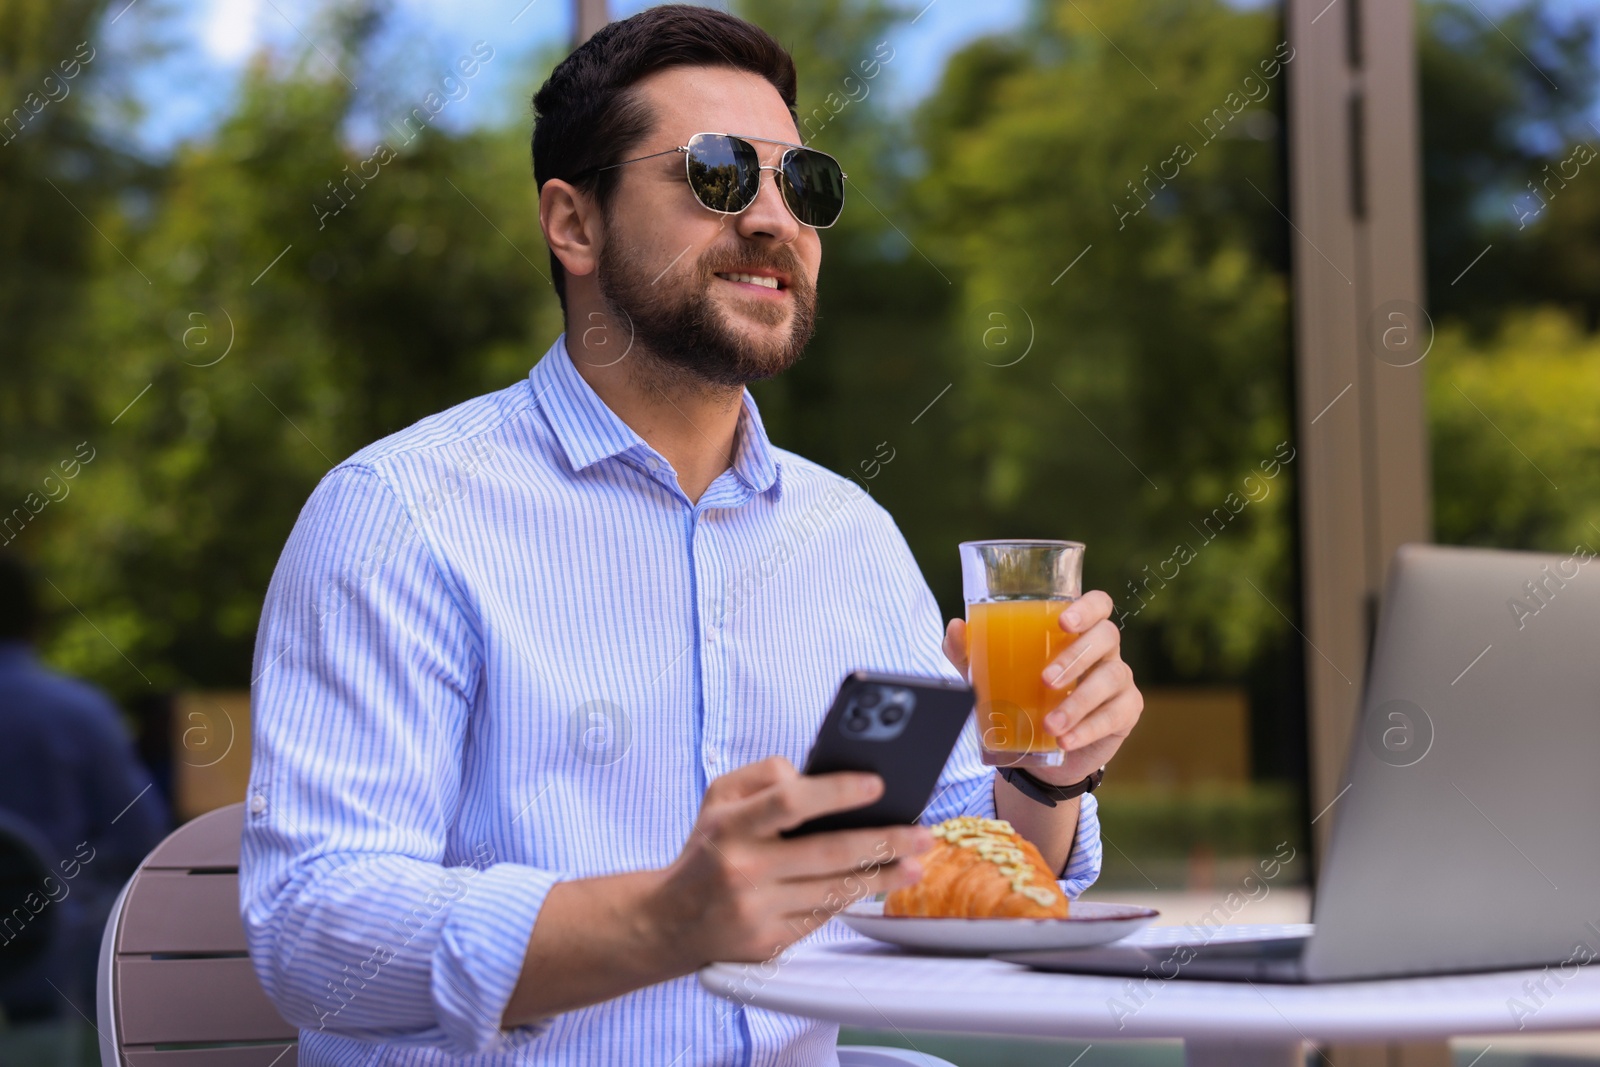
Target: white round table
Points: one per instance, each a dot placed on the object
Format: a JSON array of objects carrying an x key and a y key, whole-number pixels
[{"x": 1222, "y": 1024}]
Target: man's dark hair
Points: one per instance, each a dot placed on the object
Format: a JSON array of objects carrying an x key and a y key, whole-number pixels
[
  {"x": 588, "y": 115},
  {"x": 19, "y": 598}
]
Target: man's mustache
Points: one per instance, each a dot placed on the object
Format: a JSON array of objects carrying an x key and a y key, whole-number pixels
[{"x": 789, "y": 267}]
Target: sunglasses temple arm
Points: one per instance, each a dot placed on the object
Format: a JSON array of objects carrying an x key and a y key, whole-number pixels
[{"x": 640, "y": 159}]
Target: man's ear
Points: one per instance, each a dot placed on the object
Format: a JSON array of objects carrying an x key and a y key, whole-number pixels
[{"x": 571, "y": 225}]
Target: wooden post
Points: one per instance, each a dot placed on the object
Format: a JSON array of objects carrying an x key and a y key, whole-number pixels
[
  {"x": 587, "y": 16},
  {"x": 1360, "y": 338}
]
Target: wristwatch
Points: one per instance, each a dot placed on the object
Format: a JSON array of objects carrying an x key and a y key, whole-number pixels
[{"x": 1038, "y": 789}]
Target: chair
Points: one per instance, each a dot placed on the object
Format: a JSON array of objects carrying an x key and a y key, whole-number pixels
[
  {"x": 176, "y": 987},
  {"x": 29, "y": 919}
]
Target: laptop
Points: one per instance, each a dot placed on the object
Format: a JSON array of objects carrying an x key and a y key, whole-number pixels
[{"x": 1464, "y": 839}]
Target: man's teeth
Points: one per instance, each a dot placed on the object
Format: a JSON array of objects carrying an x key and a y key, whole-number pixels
[{"x": 752, "y": 279}]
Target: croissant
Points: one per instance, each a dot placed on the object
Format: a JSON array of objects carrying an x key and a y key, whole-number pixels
[{"x": 980, "y": 869}]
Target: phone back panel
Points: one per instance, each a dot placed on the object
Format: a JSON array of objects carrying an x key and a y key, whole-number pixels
[{"x": 901, "y": 728}]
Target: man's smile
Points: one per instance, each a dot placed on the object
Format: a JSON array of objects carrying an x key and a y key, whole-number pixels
[{"x": 763, "y": 284}]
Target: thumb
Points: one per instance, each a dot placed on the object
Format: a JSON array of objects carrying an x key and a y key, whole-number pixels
[{"x": 955, "y": 644}]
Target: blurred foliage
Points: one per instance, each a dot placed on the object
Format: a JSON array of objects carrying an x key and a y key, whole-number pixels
[
  {"x": 1157, "y": 377},
  {"x": 254, "y": 339},
  {"x": 1515, "y": 421},
  {"x": 54, "y": 172},
  {"x": 1501, "y": 102},
  {"x": 1175, "y": 834},
  {"x": 1044, "y": 360},
  {"x": 1512, "y": 181}
]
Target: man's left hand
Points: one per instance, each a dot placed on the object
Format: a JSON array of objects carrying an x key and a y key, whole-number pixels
[{"x": 1092, "y": 721}]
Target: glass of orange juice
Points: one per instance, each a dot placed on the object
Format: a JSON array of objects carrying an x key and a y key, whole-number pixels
[{"x": 1015, "y": 593}]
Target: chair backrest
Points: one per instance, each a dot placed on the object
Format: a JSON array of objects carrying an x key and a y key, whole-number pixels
[
  {"x": 176, "y": 987},
  {"x": 28, "y": 921}
]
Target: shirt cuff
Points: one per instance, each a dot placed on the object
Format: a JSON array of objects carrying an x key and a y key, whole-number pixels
[
  {"x": 980, "y": 802},
  {"x": 1084, "y": 861},
  {"x": 480, "y": 954}
]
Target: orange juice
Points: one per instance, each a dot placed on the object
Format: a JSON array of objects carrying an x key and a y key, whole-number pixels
[{"x": 1009, "y": 644}]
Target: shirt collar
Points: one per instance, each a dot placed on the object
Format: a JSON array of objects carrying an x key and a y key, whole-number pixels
[{"x": 589, "y": 431}]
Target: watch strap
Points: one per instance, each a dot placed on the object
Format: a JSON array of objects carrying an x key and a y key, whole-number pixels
[{"x": 1035, "y": 788}]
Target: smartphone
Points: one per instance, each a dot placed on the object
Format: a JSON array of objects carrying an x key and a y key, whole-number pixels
[{"x": 900, "y": 727}]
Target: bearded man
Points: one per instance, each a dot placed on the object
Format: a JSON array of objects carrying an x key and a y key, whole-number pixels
[{"x": 535, "y": 672}]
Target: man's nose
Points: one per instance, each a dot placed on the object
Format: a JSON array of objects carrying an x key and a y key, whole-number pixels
[{"x": 769, "y": 216}]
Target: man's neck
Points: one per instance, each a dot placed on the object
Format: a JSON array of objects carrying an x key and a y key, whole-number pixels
[{"x": 692, "y": 423}]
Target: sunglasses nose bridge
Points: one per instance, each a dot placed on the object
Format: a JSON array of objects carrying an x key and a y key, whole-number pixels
[{"x": 778, "y": 181}]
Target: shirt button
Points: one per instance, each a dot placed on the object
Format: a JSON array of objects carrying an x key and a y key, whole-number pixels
[{"x": 258, "y": 804}]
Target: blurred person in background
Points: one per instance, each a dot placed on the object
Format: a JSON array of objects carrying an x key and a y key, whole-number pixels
[{"x": 69, "y": 773}]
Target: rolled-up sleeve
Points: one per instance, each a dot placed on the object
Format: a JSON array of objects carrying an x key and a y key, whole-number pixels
[
  {"x": 1083, "y": 865},
  {"x": 364, "y": 916}
]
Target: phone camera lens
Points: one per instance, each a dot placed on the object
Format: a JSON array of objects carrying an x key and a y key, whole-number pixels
[
  {"x": 856, "y": 721},
  {"x": 891, "y": 714},
  {"x": 869, "y": 698}
]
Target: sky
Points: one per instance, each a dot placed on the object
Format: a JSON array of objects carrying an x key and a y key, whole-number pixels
[{"x": 206, "y": 43}]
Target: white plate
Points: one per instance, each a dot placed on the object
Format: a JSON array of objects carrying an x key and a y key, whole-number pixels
[{"x": 1087, "y": 923}]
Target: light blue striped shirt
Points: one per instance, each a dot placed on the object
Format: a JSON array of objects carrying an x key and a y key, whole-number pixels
[{"x": 502, "y": 649}]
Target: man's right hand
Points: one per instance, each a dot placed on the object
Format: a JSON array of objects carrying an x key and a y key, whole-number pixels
[
  {"x": 741, "y": 893},
  {"x": 738, "y": 892}
]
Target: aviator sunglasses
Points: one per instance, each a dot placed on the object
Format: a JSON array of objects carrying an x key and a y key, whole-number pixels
[{"x": 724, "y": 171}]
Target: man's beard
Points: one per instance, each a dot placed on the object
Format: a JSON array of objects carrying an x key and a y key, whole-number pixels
[{"x": 689, "y": 338}]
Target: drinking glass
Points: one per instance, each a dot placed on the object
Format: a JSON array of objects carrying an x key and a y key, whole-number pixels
[{"x": 1015, "y": 592}]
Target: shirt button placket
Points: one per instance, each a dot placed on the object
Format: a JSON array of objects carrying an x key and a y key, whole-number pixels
[{"x": 713, "y": 648}]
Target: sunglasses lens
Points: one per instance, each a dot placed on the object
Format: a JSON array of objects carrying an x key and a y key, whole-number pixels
[
  {"x": 724, "y": 172},
  {"x": 813, "y": 186}
]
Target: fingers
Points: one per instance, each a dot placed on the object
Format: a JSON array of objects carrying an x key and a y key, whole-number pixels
[
  {"x": 749, "y": 779},
  {"x": 813, "y": 902},
  {"x": 1086, "y": 611},
  {"x": 782, "y": 914},
  {"x": 1104, "y": 682},
  {"x": 1115, "y": 718},
  {"x": 1092, "y": 646},
  {"x": 792, "y": 800},
  {"x": 955, "y": 644},
  {"x": 842, "y": 851}
]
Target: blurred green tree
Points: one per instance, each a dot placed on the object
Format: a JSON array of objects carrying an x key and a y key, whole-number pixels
[
  {"x": 1118, "y": 341},
  {"x": 1511, "y": 171},
  {"x": 1036, "y": 203},
  {"x": 426, "y": 289},
  {"x": 1503, "y": 105},
  {"x": 55, "y": 175},
  {"x": 295, "y": 311},
  {"x": 1515, "y": 424}
]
